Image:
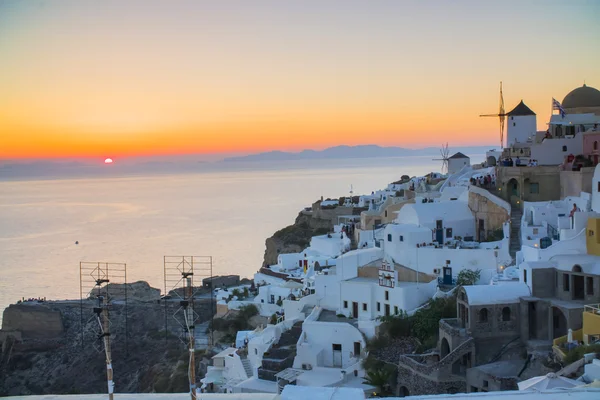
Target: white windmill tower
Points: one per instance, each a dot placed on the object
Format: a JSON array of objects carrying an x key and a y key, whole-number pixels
[
  {"x": 444, "y": 152},
  {"x": 348, "y": 201}
]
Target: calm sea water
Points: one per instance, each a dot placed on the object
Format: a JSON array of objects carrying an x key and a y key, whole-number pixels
[{"x": 226, "y": 212}]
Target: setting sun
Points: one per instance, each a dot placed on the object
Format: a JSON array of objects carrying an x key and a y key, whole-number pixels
[{"x": 108, "y": 161}]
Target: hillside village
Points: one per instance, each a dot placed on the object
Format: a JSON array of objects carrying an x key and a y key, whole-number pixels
[
  {"x": 504, "y": 252},
  {"x": 485, "y": 278}
]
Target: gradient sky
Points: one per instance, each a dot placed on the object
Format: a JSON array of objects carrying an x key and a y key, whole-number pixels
[{"x": 118, "y": 78}]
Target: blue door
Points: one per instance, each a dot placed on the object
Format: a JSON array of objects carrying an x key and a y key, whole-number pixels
[
  {"x": 447, "y": 276},
  {"x": 439, "y": 236}
]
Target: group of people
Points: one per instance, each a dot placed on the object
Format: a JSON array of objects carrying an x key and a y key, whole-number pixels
[
  {"x": 31, "y": 299},
  {"x": 509, "y": 162},
  {"x": 484, "y": 181}
]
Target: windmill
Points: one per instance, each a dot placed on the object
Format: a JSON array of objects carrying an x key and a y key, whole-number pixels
[
  {"x": 444, "y": 152},
  {"x": 501, "y": 116}
]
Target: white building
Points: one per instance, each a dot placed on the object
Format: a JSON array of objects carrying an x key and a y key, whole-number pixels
[
  {"x": 521, "y": 124},
  {"x": 457, "y": 161},
  {"x": 330, "y": 245},
  {"x": 447, "y": 219},
  {"x": 228, "y": 369}
]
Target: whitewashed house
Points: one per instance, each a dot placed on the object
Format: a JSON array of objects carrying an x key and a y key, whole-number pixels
[
  {"x": 457, "y": 161},
  {"x": 447, "y": 219},
  {"x": 228, "y": 370}
]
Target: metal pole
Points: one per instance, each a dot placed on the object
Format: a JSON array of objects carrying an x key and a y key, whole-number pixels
[
  {"x": 192, "y": 344},
  {"x": 106, "y": 335}
]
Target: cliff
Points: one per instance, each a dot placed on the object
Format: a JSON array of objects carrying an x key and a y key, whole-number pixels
[
  {"x": 54, "y": 348},
  {"x": 296, "y": 237}
]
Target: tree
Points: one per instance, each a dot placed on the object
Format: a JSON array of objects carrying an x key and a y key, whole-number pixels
[
  {"x": 379, "y": 378},
  {"x": 468, "y": 277},
  {"x": 246, "y": 293}
]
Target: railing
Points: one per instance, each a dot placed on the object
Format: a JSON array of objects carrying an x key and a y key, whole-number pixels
[
  {"x": 592, "y": 308},
  {"x": 553, "y": 232}
]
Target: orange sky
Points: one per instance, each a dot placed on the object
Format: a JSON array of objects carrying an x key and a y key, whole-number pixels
[{"x": 79, "y": 79}]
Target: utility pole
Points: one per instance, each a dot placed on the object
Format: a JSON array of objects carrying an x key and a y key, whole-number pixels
[
  {"x": 102, "y": 310},
  {"x": 189, "y": 318}
]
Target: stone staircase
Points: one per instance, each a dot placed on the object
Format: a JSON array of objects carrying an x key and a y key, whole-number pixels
[
  {"x": 281, "y": 355},
  {"x": 247, "y": 367},
  {"x": 515, "y": 230}
]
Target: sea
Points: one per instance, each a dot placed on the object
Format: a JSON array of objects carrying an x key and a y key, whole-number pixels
[{"x": 224, "y": 210}]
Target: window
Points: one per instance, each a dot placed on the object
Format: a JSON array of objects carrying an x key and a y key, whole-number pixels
[
  {"x": 356, "y": 349},
  {"x": 255, "y": 351},
  {"x": 389, "y": 237},
  {"x": 386, "y": 213},
  {"x": 483, "y": 315},
  {"x": 599, "y": 186},
  {"x": 378, "y": 306},
  {"x": 576, "y": 268},
  {"x": 564, "y": 148},
  {"x": 336, "y": 347},
  {"x": 566, "y": 282},
  {"x": 506, "y": 314},
  {"x": 524, "y": 276},
  {"x": 589, "y": 285},
  {"x": 396, "y": 310},
  {"x": 364, "y": 306},
  {"x": 595, "y": 145},
  {"x": 485, "y": 383},
  {"x": 272, "y": 299},
  {"x": 401, "y": 238},
  {"x": 514, "y": 124},
  {"x": 345, "y": 304},
  {"x": 448, "y": 232},
  {"x": 534, "y": 188},
  {"x": 387, "y": 295}
]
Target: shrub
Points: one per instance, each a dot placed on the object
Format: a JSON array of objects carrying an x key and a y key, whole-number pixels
[
  {"x": 279, "y": 302},
  {"x": 273, "y": 319},
  {"x": 468, "y": 277},
  {"x": 578, "y": 352},
  {"x": 248, "y": 311}
]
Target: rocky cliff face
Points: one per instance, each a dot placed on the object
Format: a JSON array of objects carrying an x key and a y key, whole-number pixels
[
  {"x": 146, "y": 358},
  {"x": 33, "y": 321}
]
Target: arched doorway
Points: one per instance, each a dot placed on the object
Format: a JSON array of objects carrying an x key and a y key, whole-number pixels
[
  {"x": 559, "y": 323},
  {"x": 491, "y": 161},
  {"x": 444, "y": 348},
  {"x": 403, "y": 392},
  {"x": 513, "y": 191}
]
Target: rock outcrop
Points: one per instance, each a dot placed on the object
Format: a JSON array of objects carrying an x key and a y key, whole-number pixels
[
  {"x": 137, "y": 291},
  {"x": 60, "y": 352},
  {"x": 33, "y": 321}
]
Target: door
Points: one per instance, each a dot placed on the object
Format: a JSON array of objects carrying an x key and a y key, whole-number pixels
[
  {"x": 532, "y": 317},
  {"x": 387, "y": 310},
  {"x": 481, "y": 230},
  {"x": 447, "y": 276},
  {"x": 354, "y": 309},
  {"x": 356, "y": 349},
  {"x": 337, "y": 355}
]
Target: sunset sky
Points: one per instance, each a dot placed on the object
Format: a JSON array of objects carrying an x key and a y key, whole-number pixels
[{"x": 123, "y": 78}]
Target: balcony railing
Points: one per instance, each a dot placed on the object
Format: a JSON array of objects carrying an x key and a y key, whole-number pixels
[{"x": 592, "y": 308}]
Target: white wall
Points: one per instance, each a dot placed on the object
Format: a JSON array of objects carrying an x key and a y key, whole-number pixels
[
  {"x": 456, "y": 164},
  {"x": 550, "y": 151},
  {"x": 520, "y": 128},
  {"x": 332, "y": 246},
  {"x": 453, "y": 214},
  {"x": 575, "y": 245},
  {"x": 405, "y": 297},
  {"x": 293, "y": 308},
  {"x": 327, "y": 290},
  {"x": 347, "y": 264},
  {"x": 596, "y": 189},
  {"x": 426, "y": 259},
  {"x": 289, "y": 261},
  {"x": 322, "y": 335}
]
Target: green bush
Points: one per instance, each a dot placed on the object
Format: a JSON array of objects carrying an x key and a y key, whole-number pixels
[
  {"x": 273, "y": 319},
  {"x": 248, "y": 311},
  {"x": 468, "y": 277},
  {"x": 578, "y": 352}
]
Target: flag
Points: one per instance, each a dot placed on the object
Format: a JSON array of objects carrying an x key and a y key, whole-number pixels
[{"x": 556, "y": 106}]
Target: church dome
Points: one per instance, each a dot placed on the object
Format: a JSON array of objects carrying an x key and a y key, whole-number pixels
[{"x": 584, "y": 96}]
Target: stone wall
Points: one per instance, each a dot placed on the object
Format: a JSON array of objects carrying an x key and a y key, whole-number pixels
[
  {"x": 33, "y": 321},
  {"x": 547, "y": 177},
  {"x": 420, "y": 378},
  {"x": 491, "y": 213},
  {"x": 137, "y": 291},
  {"x": 572, "y": 183}
]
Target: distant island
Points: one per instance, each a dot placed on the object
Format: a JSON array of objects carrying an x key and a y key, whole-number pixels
[{"x": 363, "y": 151}]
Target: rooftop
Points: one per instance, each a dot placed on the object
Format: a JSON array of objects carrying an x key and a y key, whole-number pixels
[
  {"x": 520, "y": 110},
  {"x": 495, "y": 294}
]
